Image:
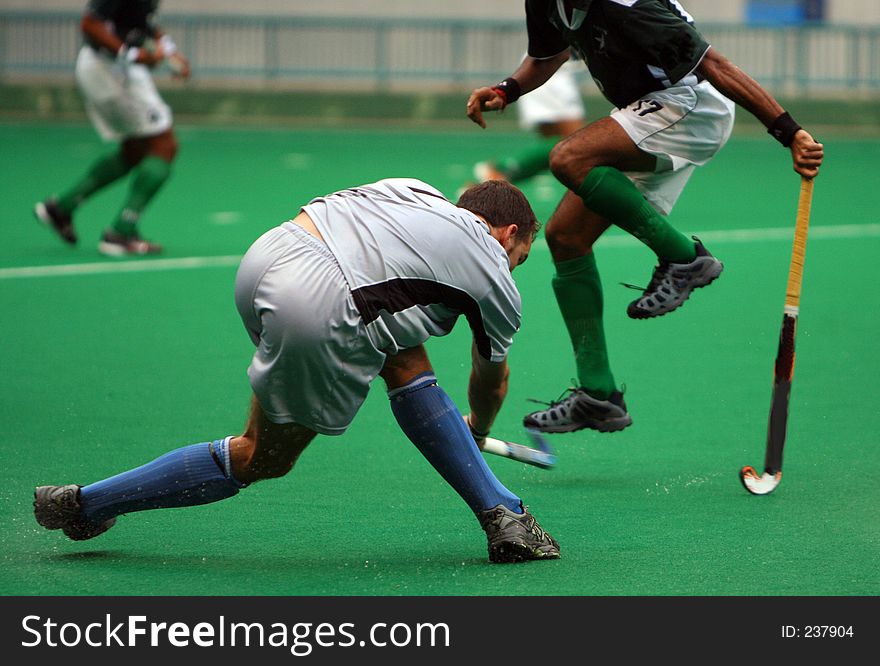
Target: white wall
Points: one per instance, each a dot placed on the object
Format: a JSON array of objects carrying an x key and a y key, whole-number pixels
[
  {"x": 731, "y": 11},
  {"x": 841, "y": 11},
  {"x": 408, "y": 8},
  {"x": 855, "y": 12},
  {"x": 443, "y": 8}
]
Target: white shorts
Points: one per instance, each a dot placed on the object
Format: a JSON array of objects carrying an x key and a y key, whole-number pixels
[
  {"x": 314, "y": 361},
  {"x": 557, "y": 100},
  {"x": 121, "y": 98},
  {"x": 683, "y": 127}
]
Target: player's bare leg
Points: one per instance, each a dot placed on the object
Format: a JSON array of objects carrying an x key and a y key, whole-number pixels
[
  {"x": 561, "y": 128},
  {"x": 267, "y": 450},
  {"x": 57, "y": 212},
  {"x": 192, "y": 475},
  {"x": 601, "y": 143},
  {"x": 591, "y": 163},
  {"x": 533, "y": 159},
  {"x": 150, "y": 158},
  {"x": 573, "y": 229}
]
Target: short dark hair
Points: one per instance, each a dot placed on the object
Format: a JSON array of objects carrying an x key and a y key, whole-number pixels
[{"x": 501, "y": 203}]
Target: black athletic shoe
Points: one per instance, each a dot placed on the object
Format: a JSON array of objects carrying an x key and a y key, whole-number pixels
[
  {"x": 580, "y": 410},
  {"x": 114, "y": 244},
  {"x": 516, "y": 537},
  {"x": 58, "y": 508},
  {"x": 49, "y": 214},
  {"x": 671, "y": 284}
]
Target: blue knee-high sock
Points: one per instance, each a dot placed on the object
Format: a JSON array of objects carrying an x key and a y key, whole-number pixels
[
  {"x": 433, "y": 423},
  {"x": 195, "y": 474}
]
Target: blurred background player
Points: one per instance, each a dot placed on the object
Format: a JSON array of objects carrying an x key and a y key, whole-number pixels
[
  {"x": 346, "y": 291},
  {"x": 122, "y": 45},
  {"x": 553, "y": 112},
  {"x": 675, "y": 100}
]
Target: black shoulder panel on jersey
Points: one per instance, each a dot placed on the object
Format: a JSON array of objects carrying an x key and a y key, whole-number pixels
[
  {"x": 126, "y": 16},
  {"x": 400, "y": 294},
  {"x": 659, "y": 30},
  {"x": 545, "y": 41}
]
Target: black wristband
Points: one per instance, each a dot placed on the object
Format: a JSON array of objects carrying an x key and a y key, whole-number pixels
[
  {"x": 510, "y": 89},
  {"x": 476, "y": 434},
  {"x": 783, "y": 129}
]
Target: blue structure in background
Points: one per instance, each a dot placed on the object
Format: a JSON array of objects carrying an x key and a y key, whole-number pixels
[
  {"x": 785, "y": 11},
  {"x": 814, "y": 10}
]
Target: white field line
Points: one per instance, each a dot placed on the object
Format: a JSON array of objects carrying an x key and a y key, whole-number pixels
[
  {"x": 827, "y": 232},
  {"x": 139, "y": 266},
  {"x": 611, "y": 241}
]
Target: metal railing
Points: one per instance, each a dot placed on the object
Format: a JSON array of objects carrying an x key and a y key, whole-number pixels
[{"x": 382, "y": 53}]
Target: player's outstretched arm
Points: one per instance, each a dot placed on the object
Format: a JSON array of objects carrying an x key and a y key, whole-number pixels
[
  {"x": 735, "y": 84},
  {"x": 486, "y": 392},
  {"x": 167, "y": 50},
  {"x": 531, "y": 74},
  {"x": 94, "y": 28}
]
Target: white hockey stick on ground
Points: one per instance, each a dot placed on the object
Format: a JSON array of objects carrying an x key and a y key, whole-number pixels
[{"x": 541, "y": 456}]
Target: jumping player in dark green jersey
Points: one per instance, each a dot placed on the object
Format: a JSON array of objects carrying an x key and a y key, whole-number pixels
[
  {"x": 122, "y": 45},
  {"x": 675, "y": 97}
]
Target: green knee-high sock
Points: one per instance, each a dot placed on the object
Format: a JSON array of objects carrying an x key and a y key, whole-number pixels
[
  {"x": 578, "y": 290},
  {"x": 529, "y": 162},
  {"x": 102, "y": 172},
  {"x": 608, "y": 192},
  {"x": 149, "y": 176}
]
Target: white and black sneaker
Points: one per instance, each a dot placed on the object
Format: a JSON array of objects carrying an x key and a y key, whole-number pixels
[
  {"x": 56, "y": 219},
  {"x": 671, "y": 284},
  {"x": 579, "y": 410}
]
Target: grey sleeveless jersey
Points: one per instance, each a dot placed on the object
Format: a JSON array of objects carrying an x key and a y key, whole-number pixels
[{"x": 414, "y": 262}]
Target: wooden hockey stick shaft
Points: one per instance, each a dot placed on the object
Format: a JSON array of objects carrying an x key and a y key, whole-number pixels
[
  {"x": 784, "y": 367},
  {"x": 799, "y": 246}
]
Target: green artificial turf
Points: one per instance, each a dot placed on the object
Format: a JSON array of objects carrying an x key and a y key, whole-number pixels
[{"x": 104, "y": 371}]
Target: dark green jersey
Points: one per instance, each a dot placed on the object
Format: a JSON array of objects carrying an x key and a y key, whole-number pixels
[
  {"x": 631, "y": 47},
  {"x": 130, "y": 20}
]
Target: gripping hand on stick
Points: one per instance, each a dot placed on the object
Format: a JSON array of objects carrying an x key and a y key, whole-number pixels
[{"x": 806, "y": 154}]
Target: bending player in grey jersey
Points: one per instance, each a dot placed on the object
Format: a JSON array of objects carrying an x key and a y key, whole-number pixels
[
  {"x": 675, "y": 105},
  {"x": 348, "y": 290}
]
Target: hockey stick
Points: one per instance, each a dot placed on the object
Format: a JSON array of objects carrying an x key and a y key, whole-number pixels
[
  {"x": 766, "y": 483},
  {"x": 542, "y": 456}
]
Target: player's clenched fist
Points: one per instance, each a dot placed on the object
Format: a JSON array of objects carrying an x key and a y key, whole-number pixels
[{"x": 807, "y": 154}]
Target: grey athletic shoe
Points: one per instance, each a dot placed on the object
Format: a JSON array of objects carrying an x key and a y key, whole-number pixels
[
  {"x": 58, "y": 508},
  {"x": 580, "y": 410},
  {"x": 53, "y": 217},
  {"x": 516, "y": 537},
  {"x": 671, "y": 284}
]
